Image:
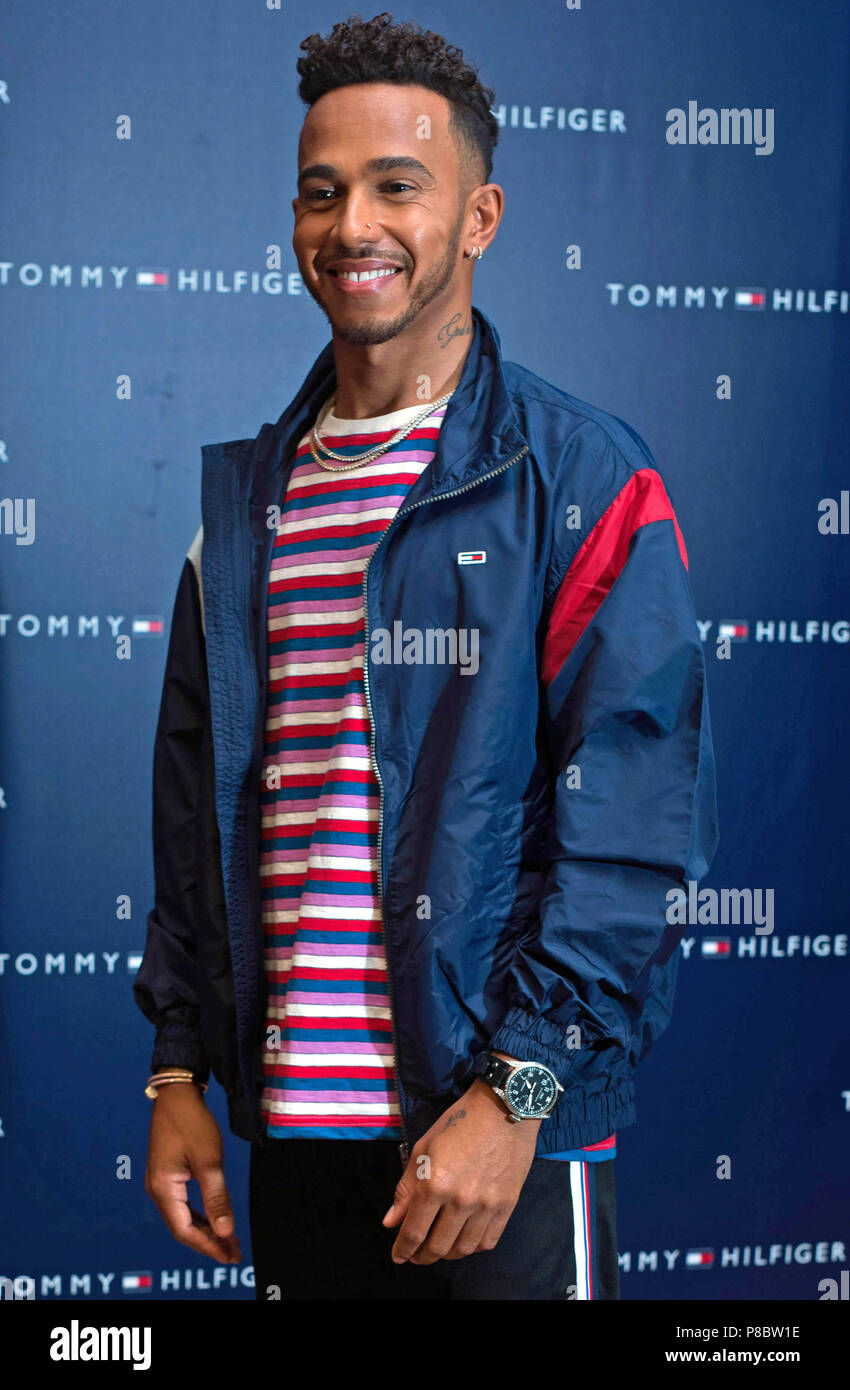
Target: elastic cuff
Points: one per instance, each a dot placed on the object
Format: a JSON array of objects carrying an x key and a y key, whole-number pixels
[
  {"x": 530, "y": 1038},
  {"x": 178, "y": 1044}
]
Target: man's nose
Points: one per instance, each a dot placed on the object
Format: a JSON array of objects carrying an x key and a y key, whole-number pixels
[{"x": 356, "y": 219}]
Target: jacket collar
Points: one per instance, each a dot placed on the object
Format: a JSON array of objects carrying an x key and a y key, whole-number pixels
[{"x": 479, "y": 430}]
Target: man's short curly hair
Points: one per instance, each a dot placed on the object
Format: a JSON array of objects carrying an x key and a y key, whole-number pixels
[{"x": 377, "y": 50}]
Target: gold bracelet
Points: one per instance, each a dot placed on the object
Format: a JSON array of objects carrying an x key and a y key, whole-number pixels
[
  {"x": 166, "y": 1078},
  {"x": 153, "y": 1087}
]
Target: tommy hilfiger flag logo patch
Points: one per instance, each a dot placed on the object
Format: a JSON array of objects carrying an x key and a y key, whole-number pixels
[
  {"x": 699, "y": 1259},
  {"x": 148, "y": 627},
  {"x": 750, "y": 299},
  {"x": 151, "y": 279},
  {"x": 736, "y": 630},
  {"x": 137, "y": 1281},
  {"x": 717, "y": 947},
  {"x": 472, "y": 557}
]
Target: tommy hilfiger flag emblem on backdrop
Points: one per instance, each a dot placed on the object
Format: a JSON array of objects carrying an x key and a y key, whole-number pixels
[
  {"x": 736, "y": 630},
  {"x": 750, "y": 299},
  {"x": 151, "y": 279},
  {"x": 717, "y": 947}
]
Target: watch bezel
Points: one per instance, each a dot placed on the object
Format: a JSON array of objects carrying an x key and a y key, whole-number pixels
[{"x": 515, "y": 1071}]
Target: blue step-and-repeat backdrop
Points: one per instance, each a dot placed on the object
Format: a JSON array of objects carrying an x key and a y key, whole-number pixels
[{"x": 688, "y": 272}]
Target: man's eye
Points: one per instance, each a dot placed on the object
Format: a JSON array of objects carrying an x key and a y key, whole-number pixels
[{"x": 323, "y": 195}]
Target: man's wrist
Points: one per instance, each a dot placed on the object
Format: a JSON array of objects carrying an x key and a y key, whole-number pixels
[
  {"x": 181, "y": 1093},
  {"x": 488, "y": 1095},
  {"x": 175, "y": 1078},
  {"x": 498, "y": 1085}
]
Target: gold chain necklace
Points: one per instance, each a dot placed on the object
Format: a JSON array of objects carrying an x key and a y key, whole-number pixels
[{"x": 377, "y": 449}]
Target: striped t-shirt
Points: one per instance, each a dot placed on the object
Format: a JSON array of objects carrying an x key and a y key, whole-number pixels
[{"x": 328, "y": 1065}]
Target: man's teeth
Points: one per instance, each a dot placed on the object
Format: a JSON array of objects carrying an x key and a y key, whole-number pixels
[{"x": 357, "y": 276}]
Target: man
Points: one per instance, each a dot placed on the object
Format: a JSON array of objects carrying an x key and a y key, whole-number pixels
[{"x": 433, "y": 748}]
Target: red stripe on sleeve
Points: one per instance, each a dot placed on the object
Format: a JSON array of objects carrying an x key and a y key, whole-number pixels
[{"x": 600, "y": 561}]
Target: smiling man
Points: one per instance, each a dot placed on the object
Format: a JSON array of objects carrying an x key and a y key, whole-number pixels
[{"x": 412, "y": 915}]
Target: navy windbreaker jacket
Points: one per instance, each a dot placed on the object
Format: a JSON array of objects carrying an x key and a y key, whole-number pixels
[{"x": 534, "y": 815}]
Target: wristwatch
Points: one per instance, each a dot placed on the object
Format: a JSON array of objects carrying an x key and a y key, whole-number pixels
[{"x": 529, "y": 1090}]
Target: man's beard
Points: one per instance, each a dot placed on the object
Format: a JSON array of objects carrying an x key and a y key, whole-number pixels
[{"x": 368, "y": 332}]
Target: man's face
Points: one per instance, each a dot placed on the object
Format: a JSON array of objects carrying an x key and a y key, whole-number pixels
[{"x": 360, "y": 160}]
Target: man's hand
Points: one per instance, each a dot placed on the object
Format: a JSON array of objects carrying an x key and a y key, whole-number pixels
[
  {"x": 462, "y": 1181},
  {"x": 185, "y": 1142}
]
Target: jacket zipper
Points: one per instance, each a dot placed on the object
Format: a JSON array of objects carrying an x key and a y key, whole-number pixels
[{"x": 404, "y": 1149}]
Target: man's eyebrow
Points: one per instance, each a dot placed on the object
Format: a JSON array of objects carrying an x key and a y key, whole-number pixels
[{"x": 382, "y": 165}]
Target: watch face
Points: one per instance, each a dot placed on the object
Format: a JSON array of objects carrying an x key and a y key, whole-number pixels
[{"x": 531, "y": 1090}]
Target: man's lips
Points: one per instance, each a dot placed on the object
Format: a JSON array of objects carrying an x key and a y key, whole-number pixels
[{"x": 362, "y": 277}]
